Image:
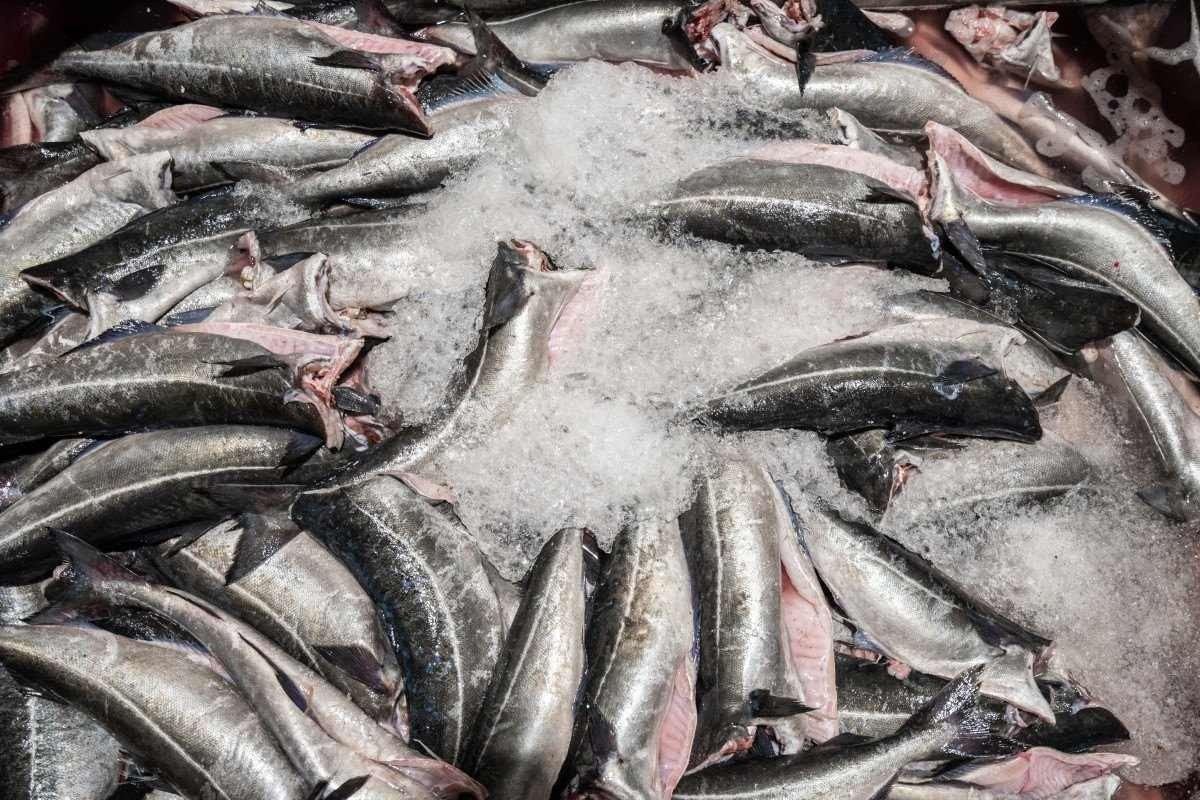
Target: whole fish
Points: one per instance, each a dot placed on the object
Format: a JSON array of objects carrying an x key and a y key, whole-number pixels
[
  {"x": 523, "y": 731},
  {"x": 144, "y": 269},
  {"x": 30, "y": 170},
  {"x": 873, "y": 703},
  {"x": 208, "y": 152},
  {"x": 144, "y": 482},
  {"x": 639, "y": 709},
  {"x": 913, "y": 389},
  {"x": 97, "y": 203},
  {"x": 183, "y": 718},
  {"x": 889, "y": 92},
  {"x": 747, "y": 676},
  {"x": 886, "y": 591},
  {"x": 427, "y": 579},
  {"x": 641, "y": 31},
  {"x": 288, "y": 586},
  {"x": 525, "y": 295},
  {"x": 328, "y": 739},
  {"x": 152, "y": 380},
  {"x": 1158, "y": 402},
  {"x": 949, "y": 725},
  {"x": 815, "y": 209},
  {"x": 271, "y": 65},
  {"x": 1089, "y": 237}
]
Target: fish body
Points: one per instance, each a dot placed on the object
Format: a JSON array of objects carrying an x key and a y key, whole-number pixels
[
  {"x": 427, "y": 579},
  {"x": 30, "y": 170},
  {"x": 144, "y": 482},
  {"x": 182, "y": 717},
  {"x": 857, "y": 384},
  {"x": 523, "y": 731},
  {"x": 639, "y": 714}
]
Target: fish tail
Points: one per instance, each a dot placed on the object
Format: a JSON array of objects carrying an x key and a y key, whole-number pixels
[
  {"x": 970, "y": 729},
  {"x": 79, "y": 584}
]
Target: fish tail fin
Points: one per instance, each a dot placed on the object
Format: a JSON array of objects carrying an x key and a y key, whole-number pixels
[
  {"x": 1010, "y": 678},
  {"x": 970, "y": 729},
  {"x": 79, "y": 585}
]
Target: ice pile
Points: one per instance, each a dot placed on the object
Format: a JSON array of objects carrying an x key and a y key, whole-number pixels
[{"x": 661, "y": 324}]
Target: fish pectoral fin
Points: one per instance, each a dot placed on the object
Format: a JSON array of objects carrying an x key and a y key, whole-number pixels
[
  {"x": 348, "y": 59},
  {"x": 1052, "y": 393},
  {"x": 763, "y": 705},
  {"x": 348, "y": 789},
  {"x": 135, "y": 284},
  {"x": 357, "y": 662},
  {"x": 964, "y": 242},
  {"x": 238, "y": 497},
  {"x": 260, "y": 540},
  {"x": 250, "y": 365},
  {"x": 1170, "y": 500}
]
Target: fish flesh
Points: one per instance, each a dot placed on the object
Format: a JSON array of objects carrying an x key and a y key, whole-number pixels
[
  {"x": 144, "y": 482},
  {"x": 427, "y": 579},
  {"x": 911, "y": 388},
  {"x": 885, "y": 589},
  {"x": 283, "y": 582},
  {"x": 523, "y": 730},
  {"x": 184, "y": 718},
  {"x": 638, "y": 718}
]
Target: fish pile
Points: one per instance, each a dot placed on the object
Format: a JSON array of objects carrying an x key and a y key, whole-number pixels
[{"x": 401, "y": 401}]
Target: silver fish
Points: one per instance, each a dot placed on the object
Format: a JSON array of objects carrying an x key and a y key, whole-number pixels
[
  {"x": 292, "y": 589},
  {"x": 887, "y": 92},
  {"x": 30, "y": 170},
  {"x": 427, "y": 579},
  {"x": 747, "y": 677},
  {"x": 41, "y": 468},
  {"x": 639, "y": 713},
  {"x": 184, "y": 719},
  {"x": 144, "y": 482},
  {"x": 604, "y": 30},
  {"x": 523, "y": 731},
  {"x": 886, "y": 591}
]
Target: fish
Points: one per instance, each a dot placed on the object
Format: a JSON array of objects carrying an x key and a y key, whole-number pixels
[
  {"x": 97, "y": 203},
  {"x": 1089, "y": 238},
  {"x": 640, "y": 31},
  {"x": 747, "y": 679},
  {"x": 143, "y": 482},
  {"x": 30, "y": 170},
  {"x": 55, "y": 112},
  {"x": 283, "y": 582},
  {"x": 1038, "y": 773},
  {"x": 874, "y": 703},
  {"x": 183, "y": 718},
  {"x": 141, "y": 271},
  {"x": 885, "y": 590},
  {"x": 153, "y": 380},
  {"x": 328, "y": 739},
  {"x": 522, "y": 734},
  {"x": 207, "y": 153},
  {"x": 272, "y": 65},
  {"x": 427, "y": 580},
  {"x": 1159, "y": 403},
  {"x": 950, "y": 724},
  {"x": 42, "y": 467},
  {"x": 525, "y": 295},
  {"x": 910, "y": 388},
  {"x": 814, "y": 209},
  {"x": 889, "y": 92},
  {"x": 638, "y": 717}
]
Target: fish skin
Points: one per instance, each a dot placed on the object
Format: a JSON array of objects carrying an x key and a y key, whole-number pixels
[
  {"x": 325, "y": 736},
  {"x": 300, "y": 596},
  {"x": 1085, "y": 238},
  {"x": 523, "y": 731},
  {"x": 176, "y": 250},
  {"x": 813, "y": 209},
  {"x": 232, "y": 140},
  {"x": 143, "y": 482},
  {"x": 277, "y": 56},
  {"x": 1158, "y": 402},
  {"x": 427, "y": 579},
  {"x": 604, "y": 30},
  {"x": 148, "y": 381},
  {"x": 30, "y": 170},
  {"x": 886, "y": 93},
  {"x": 856, "y": 772},
  {"x": 513, "y": 353},
  {"x": 640, "y": 660},
  {"x": 733, "y": 535},
  {"x": 886, "y": 591},
  {"x": 899, "y": 385},
  {"x": 184, "y": 719}
]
